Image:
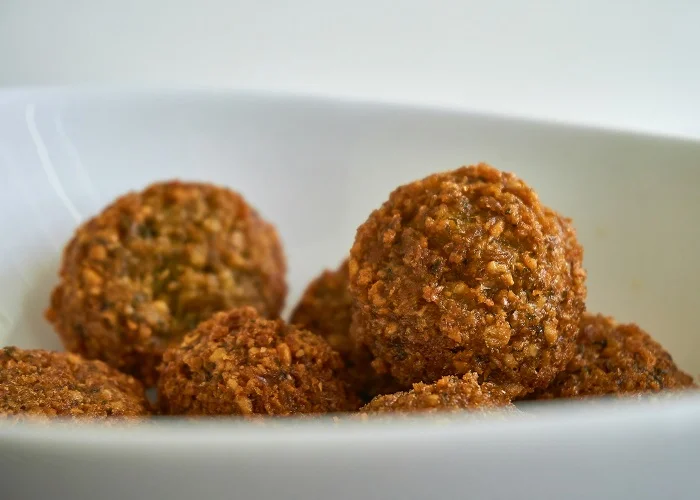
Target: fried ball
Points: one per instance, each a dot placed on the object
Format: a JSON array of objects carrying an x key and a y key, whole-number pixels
[
  {"x": 36, "y": 383},
  {"x": 326, "y": 309},
  {"x": 615, "y": 359},
  {"x": 154, "y": 264},
  {"x": 465, "y": 271},
  {"x": 238, "y": 363},
  {"x": 447, "y": 394}
]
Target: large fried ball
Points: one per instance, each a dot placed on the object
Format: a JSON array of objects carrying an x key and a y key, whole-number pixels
[
  {"x": 154, "y": 264},
  {"x": 326, "y": 309},
  {"x": 466, "y": 271},
  {"x": 615, "y": 359},
  {"x": 238, "y": 363},
  {"x": 447, "y": 394},
  {"x": 36, "y": 383}
]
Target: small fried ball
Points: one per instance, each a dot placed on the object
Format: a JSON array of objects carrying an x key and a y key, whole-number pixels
[
  {"x": 447, "y": 394},
  {"x": 238, "y": 363},
  {"x": 154, "y": 264},
  {"x": 615, "y": 359},
  {"x": 466, "y": 271},
  {"x": 37, "y": 383},
  {"x": 326, "y": 309}
]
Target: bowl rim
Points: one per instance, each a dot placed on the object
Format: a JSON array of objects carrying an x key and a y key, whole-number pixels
[
  {"x": 160, "y": 91},
  {"x": 561, "y": 422}
]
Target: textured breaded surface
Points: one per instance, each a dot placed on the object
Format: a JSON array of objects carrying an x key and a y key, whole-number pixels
[
  {"x": 153, "y": 264},
  {"x": 447, "y": 394},
  {"x": 326, "y": 309},
  {"x": 466, "y": 271},
  {"x": 36, "y": 383},
  {"x": 614, "y": 358},
  {"x": 238, "y": 363}
]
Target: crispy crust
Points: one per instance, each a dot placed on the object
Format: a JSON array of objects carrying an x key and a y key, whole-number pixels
[
  {"x": 447, "y": 394},
  {"x": 37, "y": 383},
  {"x": 154, "y": 264},
  {"x": 615, "y": 359},
  {"x": 466, "y": 271},
  {"x": 237, "y": 363}
]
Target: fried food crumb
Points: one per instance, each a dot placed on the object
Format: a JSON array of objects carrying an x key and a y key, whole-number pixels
[
  {"x": 153, "y": 264},
  {"x": 38, "y": 384},
  {"x": 466, "y": 271},
  {"x": 238, "y": 363},
  {"x": 615, "y": 359},
  {"x": 447, "y": 394}
]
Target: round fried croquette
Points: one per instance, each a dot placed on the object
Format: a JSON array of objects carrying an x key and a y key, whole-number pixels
[
  {"x": 615, "y": 359},
  {"x": 326, "y": 309},
  {"x": 37, "y": 383},
  {"x": 154, "y": 264},
  {"x": 447, "y": 394},
  {"x": 238, "y": 363},
  {"x": 466, "y": 271}
]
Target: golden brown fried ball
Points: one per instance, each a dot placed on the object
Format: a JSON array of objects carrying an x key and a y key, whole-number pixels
[
  {"x": 615, "y": 359},
  {"x": 447, "y": 394},
  {"x": 466, "y": 271},
  {"x": 36, "y": 383},
  {"x": 238, "y": 363},
  {"x": 154, "y": 264},
  {"x": 326, "y": 309}
]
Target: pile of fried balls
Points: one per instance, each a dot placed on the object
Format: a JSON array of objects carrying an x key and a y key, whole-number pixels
[{"x": 462, "y": 292}]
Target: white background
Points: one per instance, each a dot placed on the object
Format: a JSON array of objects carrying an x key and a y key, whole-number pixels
[{"x": 626, "y": 63}]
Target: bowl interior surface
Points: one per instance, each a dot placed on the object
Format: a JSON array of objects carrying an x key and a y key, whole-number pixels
[{"x": 316, "y": 168}]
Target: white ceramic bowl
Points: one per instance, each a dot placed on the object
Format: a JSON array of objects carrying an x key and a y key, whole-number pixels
[{"x": 316, "y": 168}]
